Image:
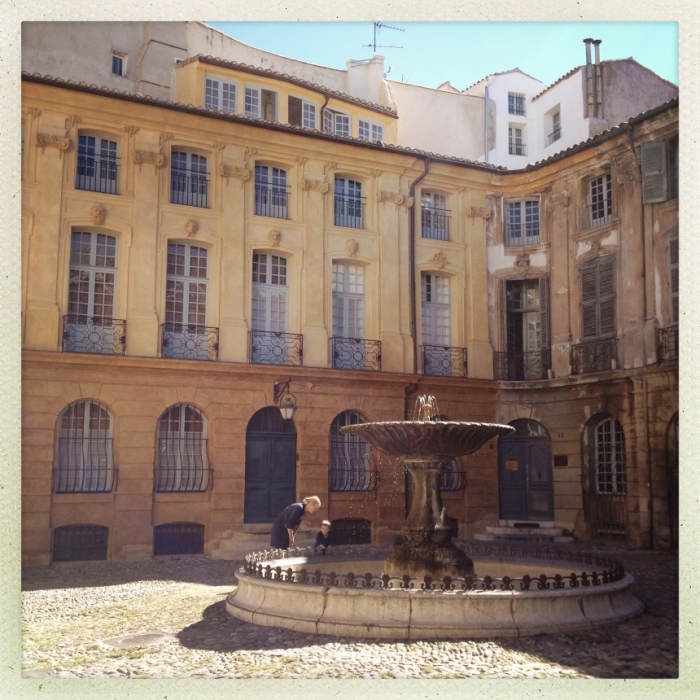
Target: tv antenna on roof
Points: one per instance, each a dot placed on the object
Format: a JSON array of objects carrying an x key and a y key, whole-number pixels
[{"x": 373, "y": 45}]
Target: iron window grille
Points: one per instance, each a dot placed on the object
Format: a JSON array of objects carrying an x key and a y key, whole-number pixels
[
  {"x": 184, "y": 341},
  {"x": 554, "y": 136},
  {"x": 667, "y": 344},
  {"x": 97, "y": 165},
  {"x": 594, "y": 356},
  {"x": 516, "y": 104},
  {"x": 272, "y": 348},
  {"x": 598, "y": 208},
  {"x": 610, "y": 457},
  {"x": 522, "y": 366},
  {"x": 349, "y": 211},
  {"x": 189, "y": 181},
  {"x": 453, "y": 478},
  {"x": 523, "y": 224},
  {"x": 441, "y": 361},
  {"x": 356, "y": 353},
  {"x": 350, "y": 457},
  {"x": 178, "y": 538},
  {"x": 80, "y": 543},
  {"x": 94, "y": 334},
  {"x": 435, "y": 217},
  {"x": 272, "y": 200},
  {"x": 517, "y": 148}
]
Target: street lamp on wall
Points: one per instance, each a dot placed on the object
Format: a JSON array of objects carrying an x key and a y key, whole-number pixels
[{"x": 288, "y": 406}]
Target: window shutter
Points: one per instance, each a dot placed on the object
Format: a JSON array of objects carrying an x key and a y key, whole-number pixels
[
  {"x": 654, "y": 172},
  {"x": 294, "y": 111},
  {"x": 589, "y": 301},
  {"x": 544, "y": 313},
  {"x": 606, "y": 294},
  {"x": 673, "y": 275},
  {"x": 328, "y": 121}
]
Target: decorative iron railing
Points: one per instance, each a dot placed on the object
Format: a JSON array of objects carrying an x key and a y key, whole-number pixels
[
  {"x": 80, "y": 543},
  {"x": 272, "y": 200},
  {"x": 594, "y": 356},
  {"x": 190, "y": 341},
  {"x": 97, "y": 174},
  {"x": 435, "y": 223},
  {"x": 356, "y": 353},
  {"x": 595, "y": 215},
  {"x": 349, "y": 211},
  {"x": 84, "y": 465},
  {"x": 521, "y": 366},
  {"x": 554, "y": 136},
  {"x": 522, "y": 234},
  {"x": 182, "y": 465},
  {"x": 441, "y": 361},
  {"x": 188, "y": 187},
  {"x": 94, "y": 334},
  {"x": 271, "y": 348},
  {"x": 667, "y": 342},
  {"x": 353, "y": 475},
  {"x": 517, "y": 149},
  {"x": 453, "y": 479}
]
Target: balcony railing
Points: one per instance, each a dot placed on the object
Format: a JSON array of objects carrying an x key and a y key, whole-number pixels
[
  {"x": 188, "y": 187},
  {"x": 352, "y": 475},
  {"x": 94, "y": 334},
  {"x": 594, "y": 356},
  {"x": 356, "y": 353},
  {"x": 597, "y": 214},
  {"x": 517, "y": 108},
  {"x": 272, "y": 200},
  {"x": 554, "y": 136},
  {"x": 349, "y": 211},
  {"x": 97, "y": 174},
  {"x": 182, "y": 465},
  {"x": 441, "y": 361},
  {"x": 453, "y": 479},
  {"x": 522, "y": 234},
  {"x": 435, "y": 223},
  {"x": 517, "y": 149},
  {"x": 84, "y": 465},
  {"x": 271, "y": 348},
  {"x": 190, "y": 341},
  {"x": 521, "y": 366},
  {"x": 667, "y": 342}
]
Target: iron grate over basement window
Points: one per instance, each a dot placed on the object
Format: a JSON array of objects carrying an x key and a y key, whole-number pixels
[
  {"x": 80, "y": 543},
  {"x": 178, "y": 538},
  {"x": 352, "y": 531}
]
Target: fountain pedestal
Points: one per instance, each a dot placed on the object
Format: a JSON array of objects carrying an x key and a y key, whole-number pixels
[{"x": 427, "y": 546}]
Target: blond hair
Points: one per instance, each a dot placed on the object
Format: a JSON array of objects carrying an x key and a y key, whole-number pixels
[
  {"x": 313, "y": 499},
  {"x": 326, "y": 522}
]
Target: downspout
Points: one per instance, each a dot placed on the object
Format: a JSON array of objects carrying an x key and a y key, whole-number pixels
[
  {"x": 644, "y": 339},
  {"x": 412, "y": 264},
  {"x": 486, "y": 122},
  {"x": 323, "y": 107}
]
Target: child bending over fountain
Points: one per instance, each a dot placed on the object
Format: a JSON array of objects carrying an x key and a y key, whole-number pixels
[
  {"x": 287, "y": 522},
  {"x": 324, "y": 539}
]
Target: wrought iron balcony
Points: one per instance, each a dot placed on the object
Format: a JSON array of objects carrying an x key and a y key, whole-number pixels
[
  {"x": 271, "y": 348},
  {"x": 435, "y": 223},
  {"x": 188, "y": 187},
  {"x": 353, "y": 476},
  {"x": 453, "y": 479},
  {"x": 667, "y": 344},
  {"x": 94, "y": 334},
  {"x": 441, "y": 361},
  {"x": 190, "y": 341},
  {"x": 521, "y": 366},
  {"x": 97, "y": 174},
  {"x": 182, "y": 466},
  {"x": 517, "y": 149},
  {"x": 272, "y": 200},
  {"x": 517, "y": 107},
  {"x": 356, "y": 353},
  {"x": 523, "y": 234},
  {"x": 598, "y": 214},
  {"x": 554, "y": 136},
  {"x": 84, "y": 465},
  {"x": 594, "y": 356},
  {"x": 349, "y": 211}
]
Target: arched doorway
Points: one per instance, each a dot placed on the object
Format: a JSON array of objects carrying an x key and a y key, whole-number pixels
[
  {"x": 672, "y": 478},
  {"x": 525, "y": 490},
  {"x": 270, "y": 466}
]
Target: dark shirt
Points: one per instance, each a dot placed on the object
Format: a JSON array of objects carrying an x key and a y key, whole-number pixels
[
  {"x": 323, "y": 540},
  {"x": 290, "y": 518}
]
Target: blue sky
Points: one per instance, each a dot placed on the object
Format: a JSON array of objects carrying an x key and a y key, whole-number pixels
[{"x": 465, "y": 52}]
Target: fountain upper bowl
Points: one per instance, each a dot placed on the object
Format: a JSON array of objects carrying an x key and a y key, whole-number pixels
[{"x": 424, "y": 439}]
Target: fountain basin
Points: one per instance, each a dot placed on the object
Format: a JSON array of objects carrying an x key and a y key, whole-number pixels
[{"x": 321, "y": 595}]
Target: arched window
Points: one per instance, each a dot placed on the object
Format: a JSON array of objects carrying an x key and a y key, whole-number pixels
[
  {"x": 610, "y": 476},
  {"x": 271, "y": 192},
  {"x": 98, "y": 164},
  {"x": 84, "y": 460},
  {"x": 435, "y": 216},
  {"x": 524, "y": 427},
  {"x": 349, "y": 203},
  {"x": 182, "y": 450},
  {"x": 350, "y": 465},
  {"x": 189, "y": 179}
]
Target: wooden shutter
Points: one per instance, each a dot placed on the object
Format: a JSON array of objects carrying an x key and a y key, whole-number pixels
[
  {"x": 654, "y": 172},
  {"x": 544, "y": 313},
  {"x": 589, "y": 301},
  {"x": 606, "y": 295},
  {"x": 598, "y": 298},
  {"x": 673, "y": 275},
  {"x": 294, "y": 107}
]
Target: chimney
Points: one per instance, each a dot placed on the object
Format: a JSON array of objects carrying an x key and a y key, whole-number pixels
[
  {"x": 598, "y": 81},
  {"x": 590, "y": 81},
  {"x": 587, "y": 42}
]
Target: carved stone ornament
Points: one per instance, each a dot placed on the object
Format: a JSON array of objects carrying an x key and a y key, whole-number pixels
[
  {"x": 316, "y": 186},
  {"x": 132, "y": 130},
  {"x": 229, "y": 171},
  {"x": 274, "y": 237},
  {"x": 71, "y": 121},
  {"x": 45, "y": 141},
  {"x": 219, "y": 145},
  {"x": 352, "y": 246},
  {"x": 395, "y": 197},
  {"x": 329, "y": 167},
  {"x": 439, "y": 260},
  {"x": 157, "y": 160},
  {"x": 522, "y": 263},
  {"x": 98, "y": 214},
  {"x": 166, "y": 136},
  {"x": 479, "y": 213},
  {"x": 191, "y": 228},
  {"x": 596, "y": 245},
  {"x": 300, "y": 160},
  {"x": 376, "y": 173},
  {"x": 250, "y": 153},
  {"x": 35, "y": 112}
]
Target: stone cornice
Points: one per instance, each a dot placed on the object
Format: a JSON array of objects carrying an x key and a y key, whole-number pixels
[
  {"x": 478, "y": 213},
  {"x": 316, "y": 186},
  {"x": 395, "y": 197},
  {"x": 157, "y": 160},
  {"x": 61, "y": 143},
  {"x": 229, "y": 171}
]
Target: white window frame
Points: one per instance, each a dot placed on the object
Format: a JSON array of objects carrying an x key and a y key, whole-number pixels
[
  {"x": 528, "y": 226},
  {"x": 187, "y": 280},
  {"x": 122, "y": 58},
  {"x": 348, "y": 292},
  {"x": 271, "y": 288},
  {"x": 308, "y": 114},
  {"x": 612, "y": 460},
  {"x": 603, "y": 200},
  {"x": 215, "y": 88},
  {"x": 193, "y": 190},
  {"x": 431, "y": 224},
  {"x": 517, "y": 142},
  {"x": 333, "y": 122},
  {"x": 97, "y": 164},
  {"x": 348, "y": 207},
  {"x": 369, "y": 130},
  {"x": 436, "y": 310},
  {"x": 252, "y": 102}
]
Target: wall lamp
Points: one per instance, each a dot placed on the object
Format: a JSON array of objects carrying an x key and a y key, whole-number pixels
[{"x": 288, "y": 406}]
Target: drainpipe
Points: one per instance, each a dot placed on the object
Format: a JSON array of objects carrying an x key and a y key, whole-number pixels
[
  {"x": 598, "y": 80},
  {"x": 645, "y": 386},
  {"x": 323, "y": 107},
  {"x": 486, "y": 121},
  {"x": 412, "y": 263},
  {"x": 590, "y": 87}
]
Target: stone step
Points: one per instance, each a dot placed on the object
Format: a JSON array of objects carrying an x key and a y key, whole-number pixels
[
  {"x": 517, "y": 537},
  {"x": 537, "y": 531}
]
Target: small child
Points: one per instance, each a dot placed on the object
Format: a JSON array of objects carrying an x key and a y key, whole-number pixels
[{"x": 324, "y": 539}]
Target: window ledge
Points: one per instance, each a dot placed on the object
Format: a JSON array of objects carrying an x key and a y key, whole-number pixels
[
  {"x": 83, "y": 497},
  {"x": 597, "y": 230}
]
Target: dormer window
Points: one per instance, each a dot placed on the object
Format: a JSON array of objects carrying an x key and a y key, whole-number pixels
[
  {"x": 260, "y": 103},
  {"x": 336, "y": 122},
  {"x": 219, "y": 94},
  {"x": 301, "y": 113},
  {"x": 371, "y": 131}
]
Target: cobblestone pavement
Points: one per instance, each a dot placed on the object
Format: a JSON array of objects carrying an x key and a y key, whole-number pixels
[{"x": 76, "y": 617}]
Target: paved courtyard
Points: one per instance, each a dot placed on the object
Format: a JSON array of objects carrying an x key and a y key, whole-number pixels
[{"x": 166, "y": 619}]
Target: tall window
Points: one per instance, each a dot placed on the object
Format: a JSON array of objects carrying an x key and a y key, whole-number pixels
[
  {"x": 301, "y": 113},
  {"x": 598, "y": 298},
  {"x": 673, "y": 275},
  {"x": 350, "y": 465},
  {"x": 189, "y": 182},
  {"x": 435, "y": 216},
  {"x": 600, "y": 200},
  {"x": 182, "y": 450},
  {"x": 252, "y": 102},
  {"x": 516, "y": 103},
  {"x": 348, "y": 203},
  {"x": 220, "y": 94},
  {"x": 271, "y": 192},
  {"x": 516, "y": 141},
  {"x": 336, "y": 122},
  {"x": 523, "y": 223},
  {"x": 348, "y": 300},
  {"x": 556, "y": 128},
  {"x": 269, "y": 293},
  {"x": 370, "y": 130},
  {"x": 98, "y": 165},
  {"x": 84, "y": 449},
  {"x": 610, "y": 476},
  {"x": 435, "y": 309},
  {"x": 260, "y": 103}
]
